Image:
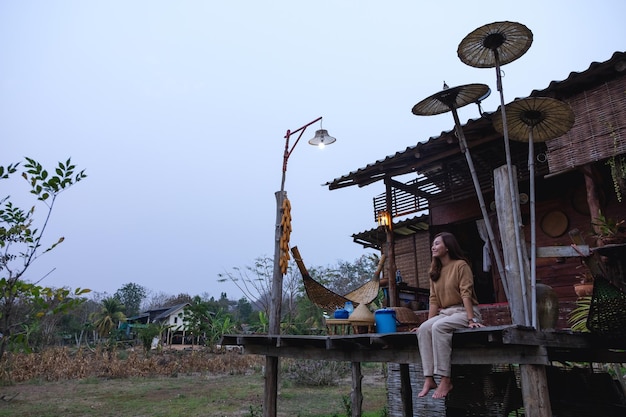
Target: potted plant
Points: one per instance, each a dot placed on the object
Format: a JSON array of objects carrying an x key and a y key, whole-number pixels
[
  {"x": 608, "y": 230},
  {"x": 584, "y": 287},
  {"x": 578, "y": 316}
]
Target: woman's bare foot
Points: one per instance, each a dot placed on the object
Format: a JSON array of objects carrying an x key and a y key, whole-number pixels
[
  {"x": 445, "y": 386},
  {"x": 429, "y": 383}
]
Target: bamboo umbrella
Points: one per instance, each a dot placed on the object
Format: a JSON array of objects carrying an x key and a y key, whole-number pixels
[
  {"x": 450, "y": 99},
  {"x": 494, "y": 45},
  {"x": 534, "y": 119}
]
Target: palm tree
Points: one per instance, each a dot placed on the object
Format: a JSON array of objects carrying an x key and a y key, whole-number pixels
[{"x": 108, "y": 317}]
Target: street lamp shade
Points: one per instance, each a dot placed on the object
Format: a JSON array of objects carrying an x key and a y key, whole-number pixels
[{"x": 322, "y": 138}]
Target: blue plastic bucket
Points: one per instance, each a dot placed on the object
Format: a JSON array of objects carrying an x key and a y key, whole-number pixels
[
  {"x": 341, "y": 313},
  {"x": 385, "y": 320}
]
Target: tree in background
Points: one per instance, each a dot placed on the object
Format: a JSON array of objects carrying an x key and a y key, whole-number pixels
[
  {"x": 108, "y": 318},
  {"x": 299, "y": 315},
  {"x": 76, "y": 327},
  {"x": 243, "y": 311},
  {"x": 220, "y": 325},
  {"x": 149, "y": 332},
  {"x": 24, "y": 303},
  {"x": 309, "y": 317},
  {"x": 255, "y": 282},
  {"x": 131, "y": 296},
  {"x": 348, "y": 276},
  {"x": 197, "y": 319},
  {"x": 179, "y": 299},
  {"x": 154, "y": 300}
]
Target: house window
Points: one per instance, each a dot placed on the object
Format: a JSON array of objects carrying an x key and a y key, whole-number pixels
[{"x": 175, "y": 320}]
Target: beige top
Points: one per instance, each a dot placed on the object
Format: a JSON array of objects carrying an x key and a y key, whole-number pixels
[{"x": 455, "y": 283}]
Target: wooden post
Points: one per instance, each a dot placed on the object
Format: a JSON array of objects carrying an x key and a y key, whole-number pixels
[
  {"x": 519, "y": 299},
  {"x": 406, "y": 391},
  {"x": 593, "y": 191},
  {"x": 270, "y": 392},
  {"x": 272, "y": 362},
  {"x": 390, "y": 250},
  {"x": 356, "y": 396},
  {"x": 535, "y": 391},
  {"x": 533, "y": 378}
]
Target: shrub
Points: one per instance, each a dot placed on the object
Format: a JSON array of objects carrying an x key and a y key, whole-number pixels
[{"x": 315, "y": 373}]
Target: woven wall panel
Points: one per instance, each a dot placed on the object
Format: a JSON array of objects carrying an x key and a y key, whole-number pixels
[
  {"x": 599, "y": 130},
  {"x": 426, "y": 406},
  {"x": 422, "y": 252},
  {"x": 405, "y": 260}
]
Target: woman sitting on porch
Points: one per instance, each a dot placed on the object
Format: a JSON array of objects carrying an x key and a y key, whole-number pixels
[{"x": 453, "y": 305}]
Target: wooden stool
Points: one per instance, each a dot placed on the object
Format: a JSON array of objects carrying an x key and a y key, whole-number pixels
[
  {"x": 338, "y": 326},
  {"x": 358, "y": 326}
]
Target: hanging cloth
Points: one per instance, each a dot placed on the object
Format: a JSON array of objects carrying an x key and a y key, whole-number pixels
[{"x": 482, "y": 232}]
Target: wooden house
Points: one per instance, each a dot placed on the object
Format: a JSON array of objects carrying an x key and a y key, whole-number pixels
[
  {"x": 573, "y": 181},
  {"x": 171, "y": 317},
  {"x": 576, "y": 175}
]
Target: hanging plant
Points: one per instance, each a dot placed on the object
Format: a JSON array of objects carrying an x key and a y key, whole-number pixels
[
  {"x": 609, "y": 230},
  {"x": 617, "y": 165}
]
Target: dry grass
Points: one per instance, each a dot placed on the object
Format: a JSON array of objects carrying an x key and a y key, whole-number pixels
[
  {"x": 58, "y": 364},
  {"x": 76, "y": 383}
]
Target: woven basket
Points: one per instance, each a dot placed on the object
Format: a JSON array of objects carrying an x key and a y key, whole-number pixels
[
  {"x": 330, "y": 300},
  {"x": 405, "y": 317},
  {"x": 607, "y": 313}
]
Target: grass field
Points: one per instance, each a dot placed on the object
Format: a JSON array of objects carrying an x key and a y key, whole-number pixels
[{"x": 189, "y": 394}]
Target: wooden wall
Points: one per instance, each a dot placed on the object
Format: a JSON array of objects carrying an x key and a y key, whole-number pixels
[{"x": 557, "y": 198}]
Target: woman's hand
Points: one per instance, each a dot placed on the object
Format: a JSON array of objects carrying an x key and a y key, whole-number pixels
[{"x": 473, "y": 325}]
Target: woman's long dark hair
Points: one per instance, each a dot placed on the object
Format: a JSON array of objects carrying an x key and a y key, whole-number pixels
[{"x": 454, "y": 251}]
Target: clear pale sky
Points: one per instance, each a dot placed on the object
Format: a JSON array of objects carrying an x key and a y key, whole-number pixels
[{"x": 177, "y": 110}]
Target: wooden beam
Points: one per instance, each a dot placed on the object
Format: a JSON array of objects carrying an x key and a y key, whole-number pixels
[
  {"x": 562, "y": 251},
  {"x": 535, "y": 355},
  {"x": 411, "y": 189}
]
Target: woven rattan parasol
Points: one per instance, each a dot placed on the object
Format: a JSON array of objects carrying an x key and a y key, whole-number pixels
[
  {"x": 534, "y": 119},
  {"x": 493, "y": 45},
  {"x": 449, "y": 99}
]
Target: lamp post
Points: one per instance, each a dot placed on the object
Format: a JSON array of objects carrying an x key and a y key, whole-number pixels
[{"x": 320, "y": 139}]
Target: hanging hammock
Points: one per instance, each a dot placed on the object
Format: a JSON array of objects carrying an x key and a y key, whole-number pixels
[{"x": 330, "y": 300}]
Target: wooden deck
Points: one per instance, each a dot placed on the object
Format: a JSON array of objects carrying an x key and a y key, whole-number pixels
[
  {"x": 507, "y": 344},
  {"x": 486, "y": 345}
]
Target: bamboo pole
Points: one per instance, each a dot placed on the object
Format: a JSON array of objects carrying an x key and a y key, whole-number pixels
[{"x": 481, "y": 200}]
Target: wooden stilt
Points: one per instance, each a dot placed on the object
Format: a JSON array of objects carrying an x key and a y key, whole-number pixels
[
  {"x": 406, "y": 392},
  {"x": 535, "y": 391},
  {"x": 271, "y": 386},
  {"x": 356, "y": 395}
]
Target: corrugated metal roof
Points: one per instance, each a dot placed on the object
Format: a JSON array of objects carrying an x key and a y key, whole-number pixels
[
  {"x": 375, "y": 238},
  {"x": 424, "y": 155}
]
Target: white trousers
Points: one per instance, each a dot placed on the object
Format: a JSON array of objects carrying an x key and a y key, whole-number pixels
[{"x": 435, "y": 339}]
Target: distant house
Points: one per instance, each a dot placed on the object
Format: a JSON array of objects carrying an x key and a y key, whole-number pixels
[{"x": 171, "y": 317}]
